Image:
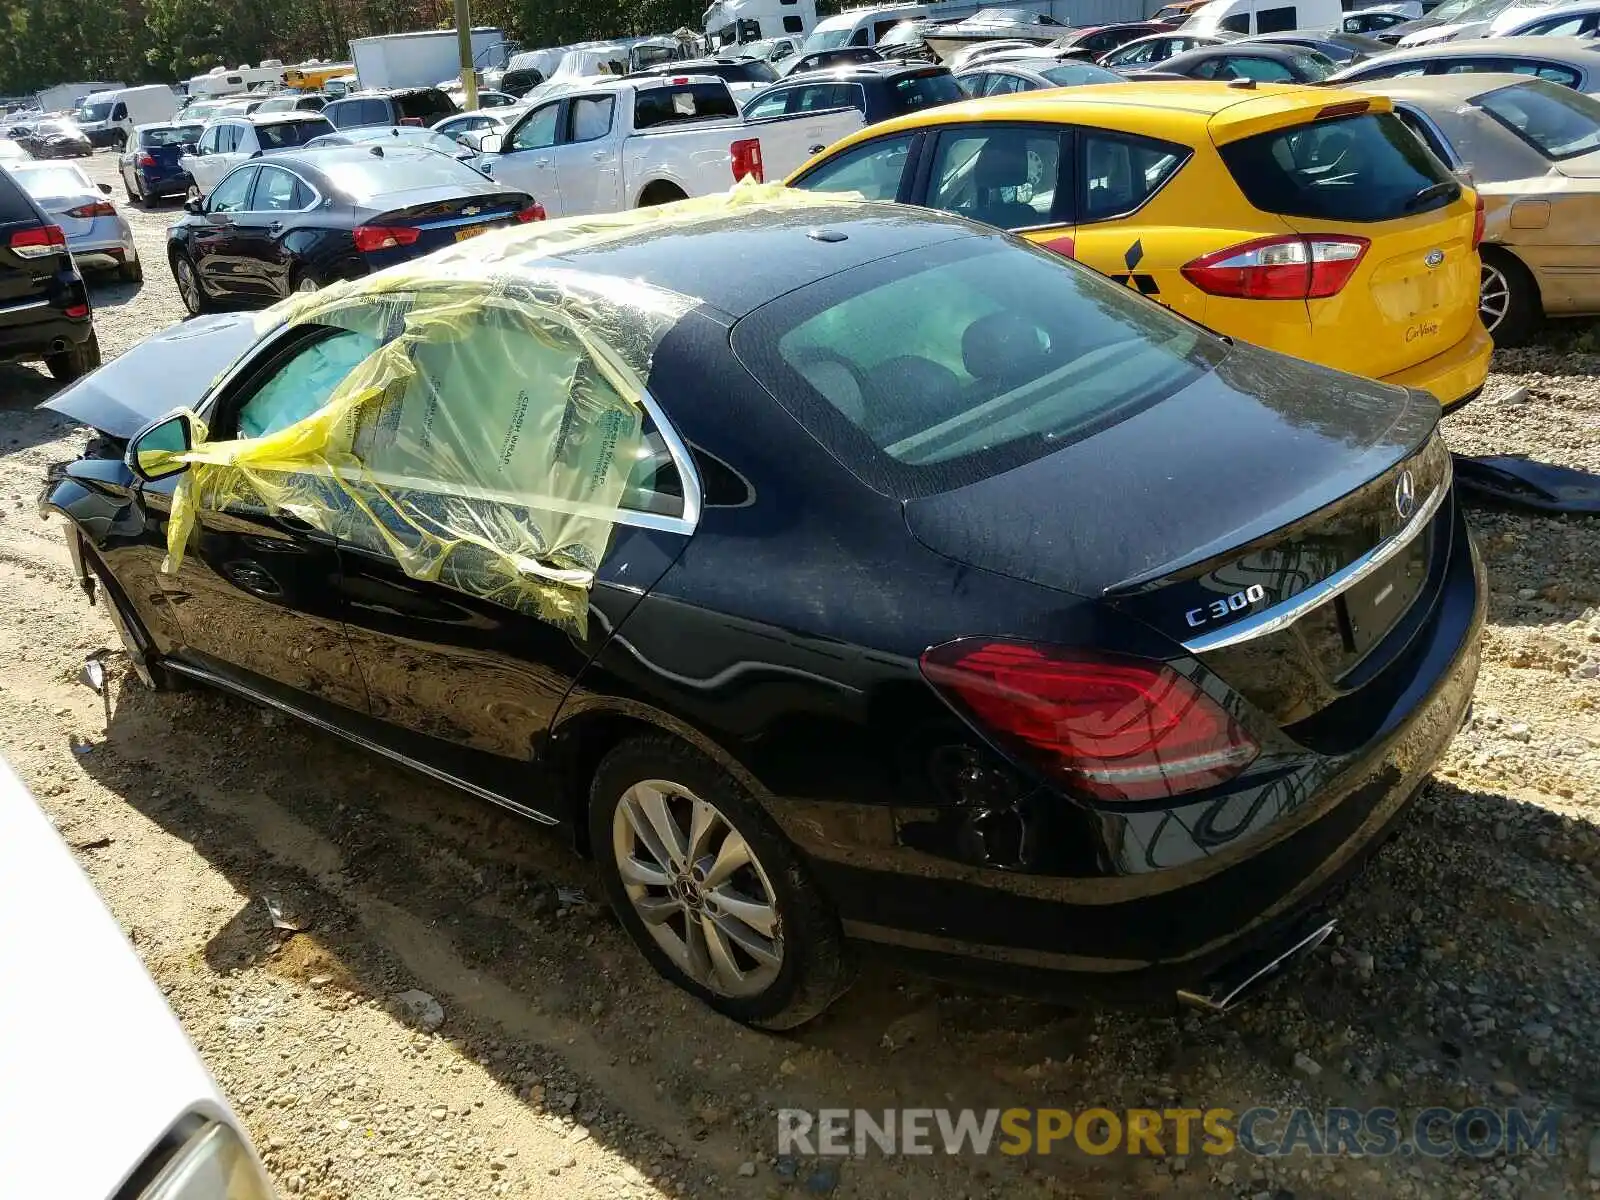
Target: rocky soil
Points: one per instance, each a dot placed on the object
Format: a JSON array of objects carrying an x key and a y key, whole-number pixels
[{"x": 543, "y": 1059}]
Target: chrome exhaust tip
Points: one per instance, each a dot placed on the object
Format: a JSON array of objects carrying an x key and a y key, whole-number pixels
[{"x": 1247, "y": 976}]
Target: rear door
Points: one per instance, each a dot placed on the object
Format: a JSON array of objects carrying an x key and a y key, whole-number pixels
[
  {"x": 588, "y": 165},
  {"x": 1141, "y": 202},
  {"x": 215, "y": 242},
  {"x": 1366, "y": 179},
  {"x": 263, "y": 264}
]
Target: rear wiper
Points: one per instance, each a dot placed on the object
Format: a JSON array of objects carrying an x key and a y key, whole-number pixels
[{"x": 1434, "y": 190}]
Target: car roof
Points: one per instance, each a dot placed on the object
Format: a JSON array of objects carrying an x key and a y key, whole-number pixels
[
  {"x": 271, "y": 118},
  {"x": 1564, "y": 49},
  {"x": 1228, "y": 113},
  {"x": 1451, "y": 89},
  {"x": 1250, "y": 49},
  {"x": 776, "y": 249},
  {"x": 858, "y": 71}
]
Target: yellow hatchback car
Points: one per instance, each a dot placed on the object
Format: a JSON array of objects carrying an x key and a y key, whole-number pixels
[{"x": 1306, "y": 220}]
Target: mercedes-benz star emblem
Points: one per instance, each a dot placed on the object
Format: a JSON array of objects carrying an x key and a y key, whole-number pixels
[
  {"x": 1433, "y": 258},
  {"x": 1405, "y": 495}
]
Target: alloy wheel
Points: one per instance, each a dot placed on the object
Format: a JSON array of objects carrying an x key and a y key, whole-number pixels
[
  {"x": 1494, "y": 296},
  {"x": 698, "y": 888},
  {"x": 307, "y": 284},
  {"x": 188, "y": 284}
]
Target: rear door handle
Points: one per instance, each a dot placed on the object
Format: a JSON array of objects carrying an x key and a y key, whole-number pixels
[{"x": 599, "y": 156}]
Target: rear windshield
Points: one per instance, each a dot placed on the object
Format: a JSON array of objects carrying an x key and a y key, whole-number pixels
[
  {"x": 290, "y": 133},
  {"x": 372, "y": 110},
  {"x": 1072, "y": 74},
  {"x": 1556, "y": 121},
  {"x": 52, "y": 180},
  {"x": 683, "y": 102},
  {"x": 425, "y": 106},
  {"x": 926, "y": 90},
  {"x": 750, "y": 71},
  {"x": 177, "y": 135},
  {"x": 1359, "y": 168},
  {"x": 937, "y": 367},
  {"x": 366, "y": 178}
]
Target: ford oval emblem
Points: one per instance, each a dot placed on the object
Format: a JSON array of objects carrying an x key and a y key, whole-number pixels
[
  {"x": 1434, "y": 258},
  {"x": 1405, "y": 495}
]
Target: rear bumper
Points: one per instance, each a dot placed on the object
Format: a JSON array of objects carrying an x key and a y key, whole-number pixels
[
  {"x": 109, "y": 243},
  {"x": 156, "y": 186},
  {"x": 1138, "y": 938},
  {"x": 1455, "y": 376},
  {"x": 38, "y": 333}
]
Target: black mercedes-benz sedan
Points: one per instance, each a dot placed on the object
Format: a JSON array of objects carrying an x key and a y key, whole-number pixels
[
  {"x": 953, "y": 601},
  {"x": 297, "y": 222}
]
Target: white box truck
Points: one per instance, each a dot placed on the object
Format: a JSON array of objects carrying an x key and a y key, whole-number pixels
[
  {"x": 395, "y": 60},
  {"x": 109, "y": 118},
  {"x": 65, "y": 97}
]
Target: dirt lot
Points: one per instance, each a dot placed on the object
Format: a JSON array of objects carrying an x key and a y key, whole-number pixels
[{"x": 1465, "y": 972}]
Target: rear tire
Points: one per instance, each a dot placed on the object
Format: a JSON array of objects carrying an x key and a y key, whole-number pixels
[
  {"x": 306, "y": 281},
  {"x": 131, "y": 272},
  {"x": 1508, "y": 298},
  {"x": 708, "y": 914},
  {"x": 75, "y": 363},
  {"x": 193, "y": 295},
  {"x": 661, "y": 193}
]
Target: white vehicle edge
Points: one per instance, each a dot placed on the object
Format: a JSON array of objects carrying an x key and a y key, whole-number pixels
[{"x": 101, "y": 1083}]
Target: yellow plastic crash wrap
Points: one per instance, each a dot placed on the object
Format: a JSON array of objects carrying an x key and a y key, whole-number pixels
[{"x": 475, "y": 414}]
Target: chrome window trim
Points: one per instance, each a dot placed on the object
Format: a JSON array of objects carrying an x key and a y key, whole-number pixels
[
  {"x": 693, "y": 494},
  {"x": 316, "y": 201},
  {"x": 1282, "y": 615}
]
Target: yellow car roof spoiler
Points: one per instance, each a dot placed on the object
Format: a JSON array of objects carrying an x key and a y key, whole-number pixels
[{"x": 1280, "y": 109}]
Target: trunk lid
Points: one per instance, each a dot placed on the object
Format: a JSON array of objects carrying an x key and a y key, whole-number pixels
[
  {"x": 1164, "y": 518},
  {"x": 59, "y": 210},
  {"x": 1414, "y": 294},
  {"x": 443, "y": 217},
  {"x": 1350, "y": 170}
]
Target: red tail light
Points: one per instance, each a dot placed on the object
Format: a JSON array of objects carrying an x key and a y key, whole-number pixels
[
  {"x": 147, "y": 160},
  {"x": 747, "y": 160},
  {"x": 76, "y": 310},
  {"x": 36, "y": 243},
  {"x": 1280, "y": 268},
  {"x": 533, "y": 213},
  {"x": 1477, "y": 221},
  {"x": 411, "y": 120},
  {"x": 1117, "y": 728},
  {"x": 100, "y": 208},
  {"x": 384, "y": 237}
]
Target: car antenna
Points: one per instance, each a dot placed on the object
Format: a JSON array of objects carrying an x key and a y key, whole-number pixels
[{"x": 377, "y": 151}]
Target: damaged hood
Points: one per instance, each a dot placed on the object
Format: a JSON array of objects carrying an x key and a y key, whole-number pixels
[{"x": 172, "y": 369}]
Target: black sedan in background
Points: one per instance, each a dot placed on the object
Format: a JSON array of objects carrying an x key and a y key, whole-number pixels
[
  {"x": 298, "y": 221},
  {"x": 952, "y": 599},
  {"x": 1244, "y": 60},
  {"x": 1341, "y": 49}
]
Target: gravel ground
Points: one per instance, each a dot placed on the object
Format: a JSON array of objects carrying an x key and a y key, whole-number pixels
[{"x": 1464, "y": 974}]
